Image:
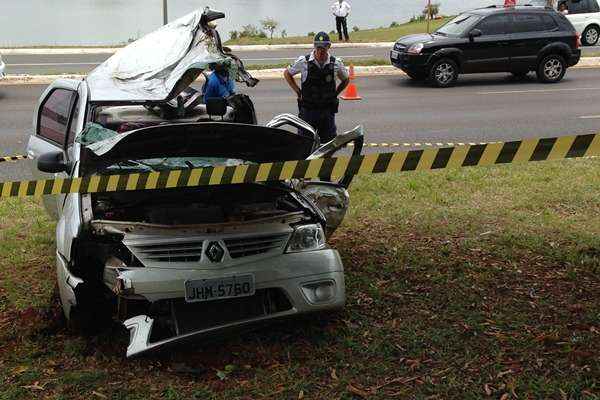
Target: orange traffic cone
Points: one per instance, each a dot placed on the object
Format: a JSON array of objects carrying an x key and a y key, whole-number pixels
[{"x": 351, "y": 92}]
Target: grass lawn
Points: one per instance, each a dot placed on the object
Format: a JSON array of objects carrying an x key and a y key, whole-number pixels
[
  {"x": 462, "y": 284},
  {"x": 362, "y": 36}
]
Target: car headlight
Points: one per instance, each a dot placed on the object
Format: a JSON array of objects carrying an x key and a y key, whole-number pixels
[
  {"x": 416, "y": 48},
  {"x": 306, "y": 238}
]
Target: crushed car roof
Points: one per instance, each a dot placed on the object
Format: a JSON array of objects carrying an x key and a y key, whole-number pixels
[{"x": 159, "y": 66}]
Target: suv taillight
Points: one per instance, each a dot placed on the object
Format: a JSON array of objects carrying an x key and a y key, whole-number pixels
[{"x": 578, "y": 42}]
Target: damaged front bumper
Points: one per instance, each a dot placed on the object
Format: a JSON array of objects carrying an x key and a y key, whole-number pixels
[{"x": 313, "y": 282}]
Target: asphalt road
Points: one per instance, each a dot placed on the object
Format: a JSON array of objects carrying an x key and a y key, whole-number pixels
[
  {"x": 481, "y": 108},
  {"x": 73, "y": 64}
]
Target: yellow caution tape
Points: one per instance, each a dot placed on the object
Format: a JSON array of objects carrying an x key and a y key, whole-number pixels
[
  {"x": 529, "y": 150},
  {"x": 13, "y": 158}
]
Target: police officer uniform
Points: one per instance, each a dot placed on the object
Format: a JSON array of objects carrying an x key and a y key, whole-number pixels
[{"x": 319, "y": 102}]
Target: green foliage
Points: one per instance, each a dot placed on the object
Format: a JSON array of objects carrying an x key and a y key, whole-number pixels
[
  {"x": 355, "y": 29},
  {"x": 270, "y": 25},
  {"x": 311, "y": 34},
  {"x": 233, "y": 35},
  {"x": 394, "y": 24},
  {"x": 431, "y": 11}
]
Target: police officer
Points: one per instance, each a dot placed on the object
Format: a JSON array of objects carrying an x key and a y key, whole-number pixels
[{"x": 318, "y": 97}]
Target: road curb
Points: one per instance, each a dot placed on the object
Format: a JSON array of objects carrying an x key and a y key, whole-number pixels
[
  {"x": 234, "y": 48},
  {"x": 275, "y": 73}
]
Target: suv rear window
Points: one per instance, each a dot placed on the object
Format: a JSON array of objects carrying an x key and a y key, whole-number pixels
[{"x": 533, "y": 23}]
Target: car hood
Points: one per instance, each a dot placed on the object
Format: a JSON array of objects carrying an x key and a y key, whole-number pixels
[
  {"x": 159, "y": 66},
  {"x": 200, "y": 139},
  {"x": 418, "y": 38}
]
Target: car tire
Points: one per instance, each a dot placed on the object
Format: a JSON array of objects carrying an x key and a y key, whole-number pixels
[
  {"x": 416, "y": 76},
  {"x": 590, "y": 36},
  {"x": 444, "y": 73},
  {"x": 552, "y": 69}
]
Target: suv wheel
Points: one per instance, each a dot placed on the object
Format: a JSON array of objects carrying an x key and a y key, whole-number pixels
[
  {"x": 590, "y": 36},
  {"x": 444, "y": 73},
  {"x": 552, "y": 69}
]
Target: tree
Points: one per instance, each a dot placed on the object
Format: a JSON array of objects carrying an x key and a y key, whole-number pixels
[
  {"x": 431, "y": 11},
  {"x": 270, "y": 25}
]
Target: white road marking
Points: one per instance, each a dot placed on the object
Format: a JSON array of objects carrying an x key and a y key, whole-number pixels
[
  {"x": 49, "y": 64},
  {"x": 538, "y": 91},
  {"x": 295, "y": 58},
  {"x": 590, "y": 117}
]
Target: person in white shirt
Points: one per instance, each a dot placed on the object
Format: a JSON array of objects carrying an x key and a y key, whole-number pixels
[{"x": 341, "y": 10}]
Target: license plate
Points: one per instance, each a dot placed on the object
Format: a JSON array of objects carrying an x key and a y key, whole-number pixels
[
  {"x": 395, "y": 54},
  {"x": 219, "y": 288}
]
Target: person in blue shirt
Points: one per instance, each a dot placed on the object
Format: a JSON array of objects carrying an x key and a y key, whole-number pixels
[{"x": 219, "y": 84}]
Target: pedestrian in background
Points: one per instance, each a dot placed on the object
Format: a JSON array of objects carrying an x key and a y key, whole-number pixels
[
  {"x": 341, "y": 10},
  {"x": 318, "y": 98}
]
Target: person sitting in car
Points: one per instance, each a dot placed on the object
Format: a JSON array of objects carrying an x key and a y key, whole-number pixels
[
  {"x": 219, "y": 84},
  {"x": 563, "y": 8}
]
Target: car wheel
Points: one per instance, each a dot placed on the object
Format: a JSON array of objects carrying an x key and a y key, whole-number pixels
[
  {"x": 590, "y": 36},
  {"x": 416, "y": 76},
  {"x": 444, "y": 73},
  {"x": 552, "y": 69}
]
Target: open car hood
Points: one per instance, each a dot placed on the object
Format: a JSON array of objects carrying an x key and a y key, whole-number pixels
[
  {"x": 159, "y": 66},
  {"x": 200, "y": 139}
]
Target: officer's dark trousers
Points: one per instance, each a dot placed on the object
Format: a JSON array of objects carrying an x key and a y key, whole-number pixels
[
  {"x": 323, "y": 120},
  {"x": 342, "y": 25}
]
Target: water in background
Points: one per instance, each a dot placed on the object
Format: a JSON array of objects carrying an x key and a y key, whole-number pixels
[{"x": 108, "y": 22}]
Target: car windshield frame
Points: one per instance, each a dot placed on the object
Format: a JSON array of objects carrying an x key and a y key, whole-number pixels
[{"x": 469, "y": 19}]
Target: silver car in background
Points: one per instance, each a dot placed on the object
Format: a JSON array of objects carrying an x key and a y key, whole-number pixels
[
  {"x": 2, "y": 68},
  {"x": 195, "y": 261}
]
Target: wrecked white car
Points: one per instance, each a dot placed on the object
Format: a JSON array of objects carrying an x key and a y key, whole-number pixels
[
  {"x": 187, "y": 262},
  {"x": 2, "y": 68}
]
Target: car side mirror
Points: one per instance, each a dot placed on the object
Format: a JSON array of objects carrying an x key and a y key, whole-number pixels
[
  {"x": 52, "y": 162},
  {"x": 475, "y": 33}
]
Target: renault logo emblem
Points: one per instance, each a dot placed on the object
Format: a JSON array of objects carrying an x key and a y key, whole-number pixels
[{"x": 215, "y": 252}]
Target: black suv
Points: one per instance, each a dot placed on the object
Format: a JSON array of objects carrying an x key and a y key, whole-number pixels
[{"x": 492, "y": 39}]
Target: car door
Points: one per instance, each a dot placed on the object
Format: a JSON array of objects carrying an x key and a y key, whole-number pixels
[
  {"x": 531, "y": 32},
  {"x": 51, "y": 124},
  {"x": 488, "y": 52}
]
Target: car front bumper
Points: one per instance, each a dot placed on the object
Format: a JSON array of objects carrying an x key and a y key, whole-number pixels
[
  {"x": 296, "y": 276},
  {"x": 414, "y": 63}
]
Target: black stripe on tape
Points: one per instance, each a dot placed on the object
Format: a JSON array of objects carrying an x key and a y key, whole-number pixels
[
  {"x": 122, "y": 183},
  {"x": 580, "y": 146},
  {"x": 354, "y": 165},
  {"x": 205, "y": 176},
  {"x": 543, "y": 149},
  {"x": 442, "y": 158},
  {"x": 228, "y": 175},
  {"x": 382, "y": 163},
  {"x": 163, "y": 178},
  {"x": 184, "y": 178},
  {"x": 327, "y": 169},
  {"x": 66, "y": 186},
  {"x": 508, "y": 152},
  {"x": 301, "y": 168},
  {"x": 474, "y": 155},
  {"x": 31, "y": 188},
  {"x": 48, "y": 186},
  {"x": 14, "y": 188},
  {"x": 412, "y": 160},
  {"x": 275, "y": 171},
  {"x": 85, "y": 184},
  {"x": 251, "y": 173},
  {"x": 103, "y": 184},
  {"x": 142, "y": 180}
]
